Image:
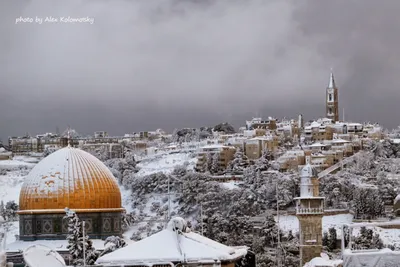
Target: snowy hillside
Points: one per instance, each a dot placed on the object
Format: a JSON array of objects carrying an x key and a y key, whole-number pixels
[{"x": 165, "y": 163}]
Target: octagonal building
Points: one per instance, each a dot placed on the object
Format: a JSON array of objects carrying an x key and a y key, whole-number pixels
[{"x": 69, "y": 178}]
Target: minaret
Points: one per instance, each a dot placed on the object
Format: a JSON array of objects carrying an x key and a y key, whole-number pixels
[
  {"x": 309, "y": 211},
  {"x": 332, "y": 100}
]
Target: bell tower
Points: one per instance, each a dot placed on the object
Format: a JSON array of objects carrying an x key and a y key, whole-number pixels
[
  {"x": 309, "y": 211},
  {"x": 332, "y": 100}
]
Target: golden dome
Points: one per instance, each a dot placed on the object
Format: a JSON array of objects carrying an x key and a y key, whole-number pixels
[{"x": 70, "y": 178}]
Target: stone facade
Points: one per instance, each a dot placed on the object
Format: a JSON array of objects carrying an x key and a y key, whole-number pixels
[
  {"x": 54, "y": 226},
  {"x": 310, "y": 237}
]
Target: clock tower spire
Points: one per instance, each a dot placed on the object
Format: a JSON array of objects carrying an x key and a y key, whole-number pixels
[{"x": 332, "y": 101}]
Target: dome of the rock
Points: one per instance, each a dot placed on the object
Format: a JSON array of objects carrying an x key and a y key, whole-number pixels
[{"x": 69, "y": 178}]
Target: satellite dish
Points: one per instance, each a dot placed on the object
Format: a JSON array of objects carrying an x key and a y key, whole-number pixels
[{"x": 42, "y": 256}]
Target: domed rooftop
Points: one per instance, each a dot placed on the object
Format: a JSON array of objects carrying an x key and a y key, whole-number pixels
[
  {"x": 70, "y": 178},
  {"x": 308, "y": 171}
]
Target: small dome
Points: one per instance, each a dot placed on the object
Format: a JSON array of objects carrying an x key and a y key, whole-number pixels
[
  {"x": 308, "y": 171},
  {"x": 70, "y": 178}
]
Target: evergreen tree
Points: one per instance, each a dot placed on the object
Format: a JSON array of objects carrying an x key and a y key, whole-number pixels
[
  {"x": 3, "y": 210},
  {"x": 76, "y": 242},
  {"x": 215, "y": 163},
  {"x": 262, "y": 164},
  {"x": 367, "y": 240},
  {"x": 290, "y": 236},
  {"x": 239, "y": 162},
  {"x": 113, "y": 243},
  {"x": 209, "y": 162},
  {"x": 332, "y": 239},
  {"x": 325, "y": 239}
]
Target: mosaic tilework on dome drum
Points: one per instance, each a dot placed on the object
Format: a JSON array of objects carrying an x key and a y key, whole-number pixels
[{"x": 70, "y": 178}]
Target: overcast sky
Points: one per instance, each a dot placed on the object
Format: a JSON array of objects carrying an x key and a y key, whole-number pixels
[{"x": 147, "y": 64}]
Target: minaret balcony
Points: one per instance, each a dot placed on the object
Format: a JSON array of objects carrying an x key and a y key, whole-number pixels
[{"x": 305, "y": 211}]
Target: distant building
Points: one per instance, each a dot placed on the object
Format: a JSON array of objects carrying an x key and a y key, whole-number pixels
[
  {"x": 100, "y": 134},
  {"x": 255, "y": 123},
  {"x": 225, "y": 155},
  {"x": 332, "y": 100}
]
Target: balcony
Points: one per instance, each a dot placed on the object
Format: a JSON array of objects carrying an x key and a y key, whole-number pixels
[{"x": 309, "y": 211}]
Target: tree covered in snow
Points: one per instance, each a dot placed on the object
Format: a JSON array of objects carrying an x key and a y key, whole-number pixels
[
  {"x": 332, "y": 241},
  {"x": 9, "y": 210},
  {"x": 262, "y": 163},
  {"x": 113, "y": 243},
  {"x": 215, "y": 167},
  {"x": 48, "y": 150},
  {"x": 367, "y": 203},
  {"x": 100, "y": 152},
  {"x": 123, "y": 169},
  {"x": 209, "y": 163},
  {"x": 238, "y": 163},
  {"x": 224, "y": 127},
  {"x": 367, "y": 239},
  {"x": 77, "y": 242}
]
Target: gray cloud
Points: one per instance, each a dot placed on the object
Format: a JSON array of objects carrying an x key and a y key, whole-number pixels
[{"x": 149, "y": 64}]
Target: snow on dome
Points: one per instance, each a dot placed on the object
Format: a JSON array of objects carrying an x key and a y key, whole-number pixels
[
  {"x": 70, "y": 178},
  {"x": 308, "y": 171}
]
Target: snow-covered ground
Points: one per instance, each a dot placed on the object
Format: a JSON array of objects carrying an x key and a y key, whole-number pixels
[
  {"x": 290, "y": 222},
  {"x": 165, "y": 163}
]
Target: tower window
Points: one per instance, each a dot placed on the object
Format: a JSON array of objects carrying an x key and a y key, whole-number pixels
[
  {"x": 330, "y": 111},
  {"x": 330, "y": 97}
]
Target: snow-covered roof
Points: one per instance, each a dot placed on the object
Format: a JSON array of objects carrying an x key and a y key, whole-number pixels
[
  {"x": 321, "y": 262},
  {"x": 215, "y": 146},
  {"x": 173, "y": 245},
  {"x": 317, "y": 145},
  {"x": 340, "y": 140},
  {"x": 42, "y": 256},
  {"x": 315, "y": 124}
]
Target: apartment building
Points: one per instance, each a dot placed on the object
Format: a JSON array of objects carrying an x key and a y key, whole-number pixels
[
  {"x": 100, "y": 134},
  {"x": 27, "y": 144},
  {"x": 291, "y": 160},
  {"x": 113, "y": 150},
  {"x": 255, "y": 123},
  {"x": 236, "y": 141},
  {"x": 226, "y": 154},
  {"x": 318, "y": 132}
]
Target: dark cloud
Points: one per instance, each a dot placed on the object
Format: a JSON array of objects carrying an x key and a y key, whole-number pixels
[{"x": 165, "y": 64}]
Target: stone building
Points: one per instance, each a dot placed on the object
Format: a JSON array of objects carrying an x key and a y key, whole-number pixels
[
  {"x": 332, "y": 100},
  {"x": 226, "y": 154},
  {"x": 309, "y": 211},
  {"x": 68, "y": 178}
]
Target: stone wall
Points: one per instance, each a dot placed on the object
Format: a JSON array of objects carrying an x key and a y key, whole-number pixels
[{"x": 54, "y": 226}]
